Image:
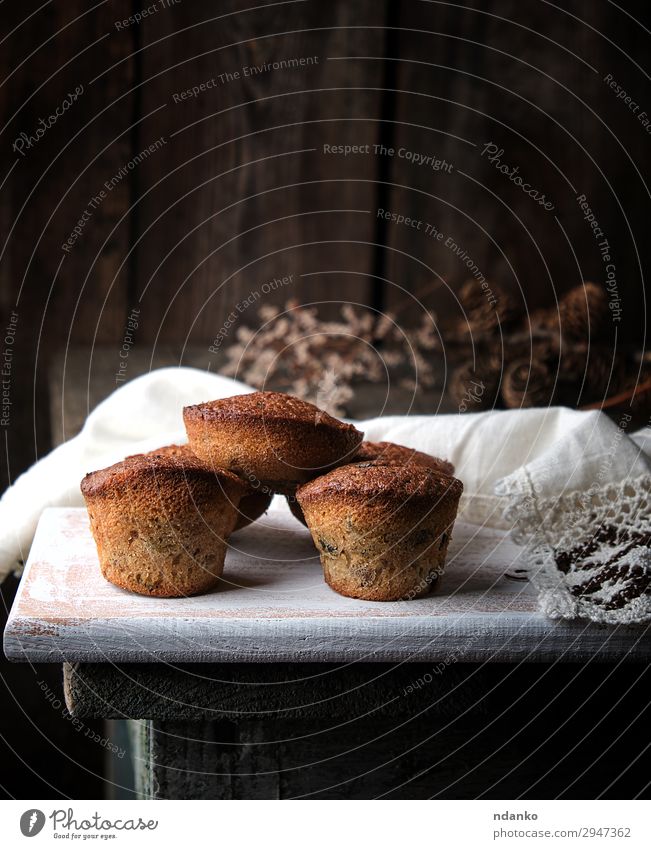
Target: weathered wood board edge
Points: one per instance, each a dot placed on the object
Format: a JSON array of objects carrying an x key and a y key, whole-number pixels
[
  {"x": 502, "y": 636},
  {"x": 514, "y": 638}
]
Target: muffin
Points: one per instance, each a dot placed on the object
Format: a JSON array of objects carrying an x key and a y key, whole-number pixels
[
  {"x": 385, "y": 451},
  {"x": 272, "y": 440},
  {"x": 252, "y": 504},
  {"x": 160, "y": 522},
  {"x": 394, "y": 453},
  {"x": 382, "y": 529}
]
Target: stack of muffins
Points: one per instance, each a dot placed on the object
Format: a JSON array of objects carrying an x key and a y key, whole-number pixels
[{"x": 380, "y": 514}]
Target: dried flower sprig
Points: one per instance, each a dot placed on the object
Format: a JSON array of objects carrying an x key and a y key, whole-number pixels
[{"x": 322, "y": 360}]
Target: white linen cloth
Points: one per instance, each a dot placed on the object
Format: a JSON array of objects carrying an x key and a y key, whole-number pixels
[{"x": 545, "y": 474}]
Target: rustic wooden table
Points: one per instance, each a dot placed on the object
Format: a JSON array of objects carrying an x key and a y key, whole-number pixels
[
  {"x": 272, "y": 606},
  {"x": 273, "y": 644},
  {"x": 274, "y": 686}
]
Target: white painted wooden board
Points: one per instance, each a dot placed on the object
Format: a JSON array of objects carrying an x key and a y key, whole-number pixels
[{"x": 273, "y": 605}]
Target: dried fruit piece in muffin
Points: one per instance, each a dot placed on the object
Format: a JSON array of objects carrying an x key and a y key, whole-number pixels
[
  {"x": 270, "y": 439},
  {"x": 382, "y": 529},
  {"x": 160, "y": 522}
]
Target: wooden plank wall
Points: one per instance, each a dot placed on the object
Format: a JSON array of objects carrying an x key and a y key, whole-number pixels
[
  {"x": 58, "y": 296},
  {"x": 259, "y": 198},
  {"x": 215, "y": 192},
  {"x": 528, "y": 78}
]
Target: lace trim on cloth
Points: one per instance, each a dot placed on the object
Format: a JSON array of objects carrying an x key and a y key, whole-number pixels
[{"x": 589, "y": 553}]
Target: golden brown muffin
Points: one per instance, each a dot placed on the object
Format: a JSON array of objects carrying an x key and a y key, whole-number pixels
[
  {"x": 388, "y": 452},
  {"x": 272, "y": 440},
  {"x": 252, "y": 504},
  {"x": 382, "y": 529},
  {"x": 394, "y": 453},
  {"x": 161, "y": 520}
]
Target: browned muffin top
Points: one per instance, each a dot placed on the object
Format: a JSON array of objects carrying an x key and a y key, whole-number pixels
[
  {"x": 274, "y": 407},
  {"x": 174, "y": 454},
  {"x": 392, "y": 452},
  {"x": 171, "y": 461},
  {"x": 385, "y": 480}
]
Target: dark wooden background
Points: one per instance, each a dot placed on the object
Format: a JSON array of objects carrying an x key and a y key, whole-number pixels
[{"x": 240, "y": 190}]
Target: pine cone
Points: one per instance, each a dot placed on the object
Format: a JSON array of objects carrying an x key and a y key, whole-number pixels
[
  {"x": 538, "y": 349},
  {"x": 485, "y": 310},
  {"x": 527, "y": 384},
  {"x": 475, "y": 388},
  {"x": 584, "y": 313},
  {"x": 543, "y": 322}
]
